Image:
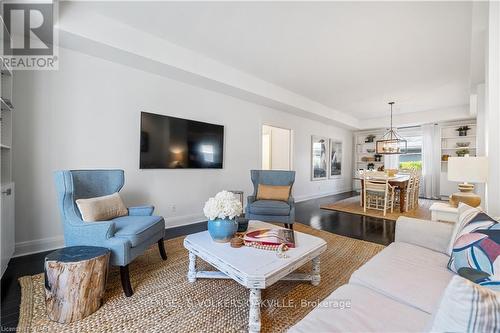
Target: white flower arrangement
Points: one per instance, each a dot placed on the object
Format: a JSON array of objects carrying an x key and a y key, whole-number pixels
[{"x": 224, "y": 205}]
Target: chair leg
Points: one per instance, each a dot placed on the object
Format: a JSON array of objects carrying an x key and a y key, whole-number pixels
[
  {"x": 364, "y": 205},
  {"x": 290, "y": 226},
  {"x": 161, "y": 247},
  {"x": 125, "y": 277},
  {"x": 392, "y": 205}
]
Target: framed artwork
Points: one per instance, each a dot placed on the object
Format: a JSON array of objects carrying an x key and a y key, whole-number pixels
[
  {"x": 319, "y": 158},
  {"x": 335, "y": 160}
]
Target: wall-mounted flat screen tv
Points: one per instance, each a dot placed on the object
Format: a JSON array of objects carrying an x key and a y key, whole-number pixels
[{"x": 175, "y": 143}]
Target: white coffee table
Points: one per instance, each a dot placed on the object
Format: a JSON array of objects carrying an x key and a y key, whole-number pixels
[{"x": 253, "y": 268}]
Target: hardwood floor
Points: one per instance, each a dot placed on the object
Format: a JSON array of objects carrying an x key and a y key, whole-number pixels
[
  {"x": 371, "y": 229},
  {"x": 308, "y": 212},
  {"x": 33, "y": 264}
]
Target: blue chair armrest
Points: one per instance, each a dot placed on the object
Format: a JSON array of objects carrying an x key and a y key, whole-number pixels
[
  {"x": 141, "y": 211},
  {"x": 90, "y": 231},
  {"x": 250, "y": 199}
]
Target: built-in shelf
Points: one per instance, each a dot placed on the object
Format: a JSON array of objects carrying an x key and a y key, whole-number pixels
[
  {"x": 458, "y": 125},
  {"x": 7, "y": 197},
  {"x": 456, "y": 156},
  {"x": 458, "y": 137},
  {"x": 449, "y": 138},
  {"x": 360, "y": 151}
]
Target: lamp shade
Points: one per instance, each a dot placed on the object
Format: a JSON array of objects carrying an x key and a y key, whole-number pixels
[{"x": 468, "y": 169}]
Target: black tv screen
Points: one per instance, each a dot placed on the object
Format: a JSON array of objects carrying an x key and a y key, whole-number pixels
[{"x": 175, "y": 143}]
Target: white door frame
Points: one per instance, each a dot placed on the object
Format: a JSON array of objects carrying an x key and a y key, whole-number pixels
[{"x": 291, "y": 138}]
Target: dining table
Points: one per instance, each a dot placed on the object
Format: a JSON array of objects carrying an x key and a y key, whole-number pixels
[{"x": 399, "y": 181}]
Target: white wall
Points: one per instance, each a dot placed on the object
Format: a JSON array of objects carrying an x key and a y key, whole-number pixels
[
  {"x": 86, "y": 115},
  {"x": 492, "y": 114}
]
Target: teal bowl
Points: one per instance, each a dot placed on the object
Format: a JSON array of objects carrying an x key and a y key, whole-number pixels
[{"x": 222, "y": 230}]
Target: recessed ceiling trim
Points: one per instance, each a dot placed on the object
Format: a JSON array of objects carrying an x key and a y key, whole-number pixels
[{"x": 121, "y": 43}]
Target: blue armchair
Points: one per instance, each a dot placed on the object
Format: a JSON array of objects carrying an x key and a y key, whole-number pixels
[
  {"x": 127, "y": 236},
  {"x": 271, "y": 210}
]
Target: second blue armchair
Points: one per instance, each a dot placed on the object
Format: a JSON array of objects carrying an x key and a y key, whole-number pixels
[
  {"x": 271, "y": 210},
  {"x": 127, "y": 236}
]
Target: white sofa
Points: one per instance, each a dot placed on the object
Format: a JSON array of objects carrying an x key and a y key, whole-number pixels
[{"x": 396, "y": 291}]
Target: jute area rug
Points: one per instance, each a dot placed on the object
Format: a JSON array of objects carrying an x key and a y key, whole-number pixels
[
  {"x": 351, "y": 205},
  {"x": 164, "y": 301}
]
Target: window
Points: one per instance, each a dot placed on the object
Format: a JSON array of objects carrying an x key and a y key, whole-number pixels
[{"x": 413, "y": 159}]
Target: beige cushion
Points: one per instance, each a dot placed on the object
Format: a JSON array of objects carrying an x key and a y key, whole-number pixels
[
  {"x": 409, "y": 274},
  {"x": 273, "y": 192},
  {"x": 353, "y": 308},
  {"x": 102, "y": 208}
]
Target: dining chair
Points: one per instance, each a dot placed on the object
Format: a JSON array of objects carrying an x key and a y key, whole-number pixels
[
  {"x": 367, "y": 173},
  {"x": 416, "y": 191},
  {"x": 412, "y": 190},
  {"x": 378, "y": 193}
]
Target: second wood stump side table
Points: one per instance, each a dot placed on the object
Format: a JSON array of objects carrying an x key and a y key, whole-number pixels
[{"x": 75, "y": 281}]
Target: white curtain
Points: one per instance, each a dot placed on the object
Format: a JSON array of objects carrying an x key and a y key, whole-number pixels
[
  {"x": 391, "y": 161},
  {"x": 431, "y": 156}
]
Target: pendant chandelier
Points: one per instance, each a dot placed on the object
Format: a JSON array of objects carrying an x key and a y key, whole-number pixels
[{"x": 391, "y": 143}]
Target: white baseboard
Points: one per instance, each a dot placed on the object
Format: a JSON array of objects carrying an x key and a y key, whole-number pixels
[
  {"x": 320, "y": 195},
  {"x": 56, "y": 242},
  {"x": 38, "y": 245},
  {"x": 51, "y": 243}
]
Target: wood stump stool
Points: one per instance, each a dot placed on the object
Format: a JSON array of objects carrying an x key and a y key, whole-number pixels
[{"x": 75, "y": 280}]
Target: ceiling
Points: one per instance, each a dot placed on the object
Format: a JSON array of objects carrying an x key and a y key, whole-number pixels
[{"x": 349, "y": 56}]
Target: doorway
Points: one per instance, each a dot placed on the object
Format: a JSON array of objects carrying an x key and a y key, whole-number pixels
[{"x": 276, "y": 148}]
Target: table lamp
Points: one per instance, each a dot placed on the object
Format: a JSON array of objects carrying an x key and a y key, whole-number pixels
[{"x": 467, "y": 169}]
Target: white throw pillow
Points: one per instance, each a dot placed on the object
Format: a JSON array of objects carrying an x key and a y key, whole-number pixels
[
  {"x": 102, "y": 208},
  {"x": 465, "y": 214},
  {"x": 467, "y": 307}
]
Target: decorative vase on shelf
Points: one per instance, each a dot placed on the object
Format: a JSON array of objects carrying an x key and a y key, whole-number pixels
[
  {"x": 462, "y": 130},
  {"x": 222, "y": 211}
]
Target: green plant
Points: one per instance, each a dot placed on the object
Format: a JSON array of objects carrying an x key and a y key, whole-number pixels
[
  {"x": 462, "y": 152},
  {"x": 411, "y": 165}
]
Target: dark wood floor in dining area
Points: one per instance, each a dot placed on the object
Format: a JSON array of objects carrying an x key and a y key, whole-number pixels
[{"x": 307, "y": 212}]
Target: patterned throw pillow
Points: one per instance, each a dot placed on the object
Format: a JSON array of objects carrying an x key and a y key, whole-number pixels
[
  {"x": 465, "y": 214},
  {"x": 467, "y": 307},
  {"x": 477, "y": 246}
]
